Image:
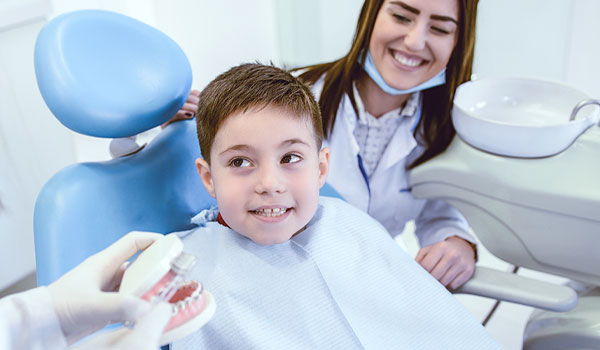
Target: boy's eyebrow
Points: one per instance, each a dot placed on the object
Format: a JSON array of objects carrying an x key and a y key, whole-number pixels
[
  {"x": 293, "y": 141},
  {"x": 247, "y": 148},
  {"x": 416, "y": 11},
  {"x": 236, "y": 148}
]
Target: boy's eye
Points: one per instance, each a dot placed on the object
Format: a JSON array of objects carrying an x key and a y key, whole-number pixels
[
  {"x": 290, "y": 158},
  {"x": 239, "y": 163}
]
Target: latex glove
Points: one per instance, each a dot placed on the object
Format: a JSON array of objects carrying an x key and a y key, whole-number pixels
[
  {"x": 145, "y": 334},
  {"x": 189, "y": 109},
  {"x": 452, "y": 261},
  {"x": 85, "y": 298}
]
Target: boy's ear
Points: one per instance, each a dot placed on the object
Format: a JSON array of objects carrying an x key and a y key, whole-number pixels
[
  {"x": 323, "y": 165},
  {"x": 205, "y": 176}
]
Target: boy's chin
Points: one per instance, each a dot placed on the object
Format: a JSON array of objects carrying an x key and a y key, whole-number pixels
[
  {"x": 270, "y": 238},
  {"x": 265, "y": 241},
  {"x": 266, "y": 238}
]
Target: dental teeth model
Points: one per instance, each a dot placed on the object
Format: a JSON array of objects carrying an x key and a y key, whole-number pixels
[{"x": 158, "y": 274}]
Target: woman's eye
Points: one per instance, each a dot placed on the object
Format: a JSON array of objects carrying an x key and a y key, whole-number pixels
[
  {"x": 239, "y": 163},
  {"x": 401, "y": 18},
  {"x": 439, "y": 30},
  {"x": 290, "y": 158}
]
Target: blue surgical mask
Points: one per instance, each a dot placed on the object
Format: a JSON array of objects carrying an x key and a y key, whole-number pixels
[{"x": 370, "y": 68}]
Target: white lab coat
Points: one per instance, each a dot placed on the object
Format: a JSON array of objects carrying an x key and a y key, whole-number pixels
[
  {"x": 386, "y": 195},
  {"x": 28, "y": 321}
]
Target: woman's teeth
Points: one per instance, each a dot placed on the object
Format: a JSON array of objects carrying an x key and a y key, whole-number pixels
[
  {"x": 411, "y": 62},
  {"x": 271, "y": 212}
]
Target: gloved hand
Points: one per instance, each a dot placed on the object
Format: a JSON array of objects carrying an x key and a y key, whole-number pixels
[
  {"x": 144, "y": 335},
  {"x": 85, "y": 298}
]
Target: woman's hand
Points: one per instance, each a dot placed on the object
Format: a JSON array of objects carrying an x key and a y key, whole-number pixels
[
  {"x": 189, "y": 109},
  {"x": 452, "y": 262}
]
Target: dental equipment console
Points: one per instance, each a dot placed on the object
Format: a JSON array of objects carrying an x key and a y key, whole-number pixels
[{"x": 525, "y": 175}]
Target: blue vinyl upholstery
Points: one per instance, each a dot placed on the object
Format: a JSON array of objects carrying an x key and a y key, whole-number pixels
[
  {"x": 87, "y": 206},
  {"x": 108, "y": 75}
]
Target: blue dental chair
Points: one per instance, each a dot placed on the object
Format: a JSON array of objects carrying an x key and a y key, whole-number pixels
[{"x": 107, "y": 75}]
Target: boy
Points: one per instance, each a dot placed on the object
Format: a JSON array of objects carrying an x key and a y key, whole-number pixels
[{"x": 290, "y": 270}]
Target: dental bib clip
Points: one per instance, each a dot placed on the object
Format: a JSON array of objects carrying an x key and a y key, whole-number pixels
[{"x": 157, "y": 274}]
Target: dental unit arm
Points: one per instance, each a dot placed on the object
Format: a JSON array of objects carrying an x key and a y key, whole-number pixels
[
  {"x": 541, "y": 214},
  {"x": 521, "y": 170},
  {"x": 536, "y": 213}
]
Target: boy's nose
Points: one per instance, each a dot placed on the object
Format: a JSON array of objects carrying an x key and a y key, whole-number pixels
[
  {"x": 416, "y": 37},
  {"x": 269, "y": 181}
]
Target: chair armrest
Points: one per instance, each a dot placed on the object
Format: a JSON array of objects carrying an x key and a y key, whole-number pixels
[{"x": 506, "y": 286}]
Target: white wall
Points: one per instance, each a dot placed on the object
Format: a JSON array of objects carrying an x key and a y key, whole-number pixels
[
  {"x": 546, "y": 39},
  {"x": 583, "y": 51},
  {"x": 33, "y": 145},
  {"x": 217, "y": 35},
  {"x": 522, "y": 38}
]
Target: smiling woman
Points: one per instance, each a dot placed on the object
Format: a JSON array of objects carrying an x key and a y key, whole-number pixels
[
  {"x": 386, "y": 109},
  {"x": 429, "y": 36}
]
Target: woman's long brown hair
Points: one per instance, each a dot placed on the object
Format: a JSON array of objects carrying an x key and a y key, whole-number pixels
[{"x": 435, "y": 128}]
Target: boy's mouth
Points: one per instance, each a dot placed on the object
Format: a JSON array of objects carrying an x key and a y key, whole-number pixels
[{"x": 270, "y": 212}]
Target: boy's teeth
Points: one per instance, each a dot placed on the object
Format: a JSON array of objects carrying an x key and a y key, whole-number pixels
[
  {"x": 271, "y": 212},
  {"x": 406, "y": 61}
]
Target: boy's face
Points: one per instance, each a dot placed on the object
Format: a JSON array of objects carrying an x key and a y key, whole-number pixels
[{"x": 265, "y": 173}]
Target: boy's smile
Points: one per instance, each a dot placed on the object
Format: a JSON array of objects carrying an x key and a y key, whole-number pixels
[{"x": 265, "y": 172}]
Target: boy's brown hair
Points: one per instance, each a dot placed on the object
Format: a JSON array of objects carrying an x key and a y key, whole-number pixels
[{"x": 253, "y": 85}]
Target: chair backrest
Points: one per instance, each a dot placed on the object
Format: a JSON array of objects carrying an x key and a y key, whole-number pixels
[
  {"x": 87, "y": 206},
  {"x": 108, "y": 75}
]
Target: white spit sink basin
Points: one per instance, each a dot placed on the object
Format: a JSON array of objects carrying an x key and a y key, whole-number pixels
[{"x": 523, "y": 118}]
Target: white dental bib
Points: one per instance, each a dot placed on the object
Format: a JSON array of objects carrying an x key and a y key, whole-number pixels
[{"x": 342, "y": 283}]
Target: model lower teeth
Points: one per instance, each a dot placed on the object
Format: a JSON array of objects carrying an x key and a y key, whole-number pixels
[
  {"x": 186, "y": 298},
  {"x": 187, "y": 302}
]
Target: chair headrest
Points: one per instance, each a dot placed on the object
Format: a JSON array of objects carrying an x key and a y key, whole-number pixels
[{"x": 104, "y": 74}]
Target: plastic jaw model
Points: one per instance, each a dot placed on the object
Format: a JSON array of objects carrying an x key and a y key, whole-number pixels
[{"x": 157, "y": 274}]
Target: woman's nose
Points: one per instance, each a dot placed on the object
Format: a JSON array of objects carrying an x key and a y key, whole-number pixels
[
  {"x": 416, "y": 37},
  {"x": 269, "y": 181}
]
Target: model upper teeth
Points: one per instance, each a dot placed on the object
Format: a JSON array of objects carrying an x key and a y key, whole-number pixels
[
  {"x": 271, "y": 211},
  {"x": 411, "y": 62}
]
